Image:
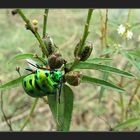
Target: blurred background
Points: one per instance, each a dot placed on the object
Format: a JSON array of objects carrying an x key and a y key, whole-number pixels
[{"x": 66, "y": 27}]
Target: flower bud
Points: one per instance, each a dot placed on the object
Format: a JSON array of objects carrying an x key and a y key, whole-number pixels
[
  {"x": 50, "y": 46},
  {"x": 34, "y": 22},
  {"x": 73, "y": 78},
  {"x": 86, "y": 52},
  {"x": 55, "y": 61}
]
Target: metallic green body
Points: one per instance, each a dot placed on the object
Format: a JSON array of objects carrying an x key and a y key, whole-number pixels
[{"x": 42, "y": 82}]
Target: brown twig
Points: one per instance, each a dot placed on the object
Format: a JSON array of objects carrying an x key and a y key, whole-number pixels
[
  {"x": 8, "y": 122},
  {"x": 131, "y": 99}
]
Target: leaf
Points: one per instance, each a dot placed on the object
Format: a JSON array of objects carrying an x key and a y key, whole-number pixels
[
  {"x": 28, "y": 56},
  {"x": 86, "y": 65},
  {"x": 68, "y": 106},
  {"x": 131, "y": 60},
  {"x": 62, "y": 111},
  {"x": 135, "y": 53},
  {"x": 101, "y": 82},
  {"x": 12, "y": 83},
  {"x": 65, "y": 108},
  {"x": 22, "y": 56},
  {"x": 52, "y": 101},
  {"x": 127, "y": 123},
  {"x": 107, "y": 51},
  {"x": 96, "y": 60}
]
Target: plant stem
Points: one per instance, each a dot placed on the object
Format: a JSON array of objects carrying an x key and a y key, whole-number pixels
[
  {"x": 45, "y": 22},
  {"x": 105, "y": 33},
  {"x": 131, "y": 99},
  {"x": 86, "y": 30},
  {"x": 30, "y": 114},
  {"x": 101, "y": 30},
  {"x": 84, "y": 37},
  {"x": 8, "y": 122},
  {"x": 32, "y": 29},
  {"x": 128, "y": 16},
  {"x": 104, "y": 43}
]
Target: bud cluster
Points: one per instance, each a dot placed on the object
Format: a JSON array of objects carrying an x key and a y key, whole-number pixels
[
  {"x": 55, "y": 61},
  {"x": 50, "y": 46},
  {"x": 73, "y": 78},
  {"x": 86, "y": 52}
]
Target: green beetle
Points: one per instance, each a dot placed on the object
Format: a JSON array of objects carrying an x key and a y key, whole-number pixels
[{"x": 42, "y": 82}]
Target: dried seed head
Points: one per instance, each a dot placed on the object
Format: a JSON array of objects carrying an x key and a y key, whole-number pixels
[
  {"x": 55, "y": 61},
  {"x": 86, "y": 52},
  {"x": 50, "y": 46},
  {"x": 73, "y": 78}
]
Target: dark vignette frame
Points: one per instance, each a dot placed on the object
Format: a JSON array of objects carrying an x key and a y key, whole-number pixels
[{"x": 70, "y": 4}]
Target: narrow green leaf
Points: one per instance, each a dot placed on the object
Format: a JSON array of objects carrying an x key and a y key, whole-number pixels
[
  {"x": 28, "y": 56},
  {"x": 131, "y": 60},
  {"x": 62, "y": 112},
  {"x": 107, "y": 51},
  {"x": 135, "y": 53},
  {"x": 86, "y": 65},
  {"x": 64, "y": 109},
  {"x": 52, "y": 101},
  {"x": 68, "y": 106},
  {"x": 12, "y": 83},
  {"x": 97, "y": 60},
  {"x": 22, "y": 56},
  {"x": 101, "y": 82},
  {"x": 126, "y": 124}
]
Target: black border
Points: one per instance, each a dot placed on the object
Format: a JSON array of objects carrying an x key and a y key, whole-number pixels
[
  {"x": 69, "y": 3},
  {"x": 70, "y": 135}
]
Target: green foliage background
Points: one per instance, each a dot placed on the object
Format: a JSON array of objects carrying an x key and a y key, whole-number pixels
[{"x": 66, "y": 27}]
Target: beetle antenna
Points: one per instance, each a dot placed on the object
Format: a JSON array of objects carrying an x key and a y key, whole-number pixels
[{"x": 32, "y": 64}]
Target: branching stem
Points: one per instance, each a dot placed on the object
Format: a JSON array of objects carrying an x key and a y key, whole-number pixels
[
  {"x": 84, "y": 37},
  {"x": 32, "y": 29}
]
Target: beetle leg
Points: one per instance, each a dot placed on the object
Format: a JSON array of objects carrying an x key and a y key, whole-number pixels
[
  {"x": 61, "y": 82},
  {"x": 29, "y": 69}
]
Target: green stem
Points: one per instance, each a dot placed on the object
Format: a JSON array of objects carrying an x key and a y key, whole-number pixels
[
  {"x": 128, "y": 16},
  {"x": 30, "y": 114},
  {"x": 45, "y": 22},
  {"x": 32, "y": 29},
  {"x": 84, "y": 37},
  {"x": 86, "y": 30}
]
